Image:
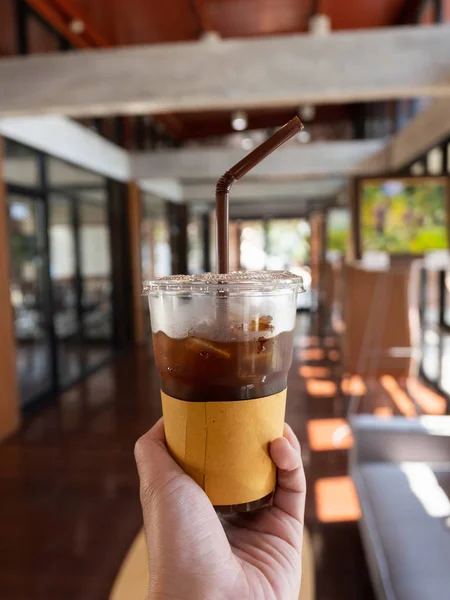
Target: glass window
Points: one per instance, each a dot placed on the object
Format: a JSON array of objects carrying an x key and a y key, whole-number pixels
[
  {"x": 253, "y": 254},
  {"x": 195, "y": 244},
  {"x": 96, "y": 280},
  {"x": 417, "y": 169},
  {"x": 447, "y": 299},
  {"x": 20, "y": 166},
  {"x": 28, "y": 297},
  {"x": 430, "y": 357},
  {"x": 435, "y": 160},
  {"x": 63, "y": 174},
  {"x": 61, "y": 277},
  {"x": 156, "y": 252},
  {"x": 288, "y": 248},
  {"x": 81, "y": 279},
  {"x": 288, "y": 244},
  {"x": 431, "y": 308},
  {"x": 338, "y": 232},
  {"x": 444, "y": 383},
  {"x": 64, "y": 287}
]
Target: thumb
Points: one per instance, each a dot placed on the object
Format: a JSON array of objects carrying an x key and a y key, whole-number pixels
[{"x": 291, "y": 484}]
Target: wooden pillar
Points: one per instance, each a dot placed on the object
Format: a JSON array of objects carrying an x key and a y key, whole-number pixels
[
  {"x": 354, "y": 252},
  {"x": 178, "y": 222},
  {"x": 134, "y": 220},
  {"x": 317, "y": 222},
  {"x": 9, "y": 394}
]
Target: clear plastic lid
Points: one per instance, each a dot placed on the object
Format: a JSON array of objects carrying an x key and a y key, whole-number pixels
[{"x": 237, "y": 280}]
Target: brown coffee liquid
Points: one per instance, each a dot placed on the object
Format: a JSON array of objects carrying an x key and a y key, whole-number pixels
[
  {"x": 198, "y": 369},
  {"x": 202, "y": 370}
]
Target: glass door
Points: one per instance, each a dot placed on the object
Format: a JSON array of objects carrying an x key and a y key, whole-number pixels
[
  {"x": 30, "y": 296},
  {"x": 288, "y": 248},
  {"x": 65, "y": 288},
  {"x": 60, "y": 220},
  {"x": 80, "y": 267},
  {"x": 278, "y": 244},
  {"x": 95, "y": 278}
]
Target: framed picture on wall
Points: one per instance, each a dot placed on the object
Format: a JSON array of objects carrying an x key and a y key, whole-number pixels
[{"x": 404, "y": 216}]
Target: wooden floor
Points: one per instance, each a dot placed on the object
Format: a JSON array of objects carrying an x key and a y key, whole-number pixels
[{"x": 69, "y": 505}]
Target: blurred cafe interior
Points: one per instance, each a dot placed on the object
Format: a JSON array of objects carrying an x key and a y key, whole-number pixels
[{"x": 116, "y": 121}]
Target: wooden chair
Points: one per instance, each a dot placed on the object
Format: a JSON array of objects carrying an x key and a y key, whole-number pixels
[{"x": 381, "y": 322}]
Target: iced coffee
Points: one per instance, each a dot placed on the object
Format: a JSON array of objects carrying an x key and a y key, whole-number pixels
[{"x": 223, "y": 348}]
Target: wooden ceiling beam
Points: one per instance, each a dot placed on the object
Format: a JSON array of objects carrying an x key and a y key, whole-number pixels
[
  {"x": 73, "y": 13},
  {"x": 62, "y": 25},
  {"x": 201, "y": 10},
  {"x": 265, "y": 72},
  {"x": 60, "y": 14},
  {"x": 172, "y": 124}
]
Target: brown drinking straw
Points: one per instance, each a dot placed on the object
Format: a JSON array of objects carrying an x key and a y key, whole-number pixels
[{"x": 234, "y": 174}]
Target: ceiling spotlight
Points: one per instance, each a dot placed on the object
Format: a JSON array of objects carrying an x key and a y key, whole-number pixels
[
  {"x": 304, "y": 137},
  {"x": 77, "y": 26},
  {"x": 319, "y": 24},
  {"x": 239, "y": 120},
  {"x": 247, "y": 143},
  {"x": 307, "y": 112},
  {"x": 212, "y": 37}
]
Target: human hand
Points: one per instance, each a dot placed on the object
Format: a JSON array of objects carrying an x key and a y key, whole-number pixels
[{"x": 194, "y": 555}]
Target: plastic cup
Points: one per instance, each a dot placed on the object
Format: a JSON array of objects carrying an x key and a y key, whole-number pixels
[{"x": 223, "y": 348}]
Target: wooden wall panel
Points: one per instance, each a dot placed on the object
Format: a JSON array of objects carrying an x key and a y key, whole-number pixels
[
  {"x": 9, "y": 396},
  {"x": 134, "y": 219}
]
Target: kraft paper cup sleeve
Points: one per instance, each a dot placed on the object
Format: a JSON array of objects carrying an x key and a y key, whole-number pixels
[{"x": 224, "y": 446}]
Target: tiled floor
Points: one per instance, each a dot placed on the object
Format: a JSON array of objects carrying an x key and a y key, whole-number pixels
[{"x": 69, "y": 505}]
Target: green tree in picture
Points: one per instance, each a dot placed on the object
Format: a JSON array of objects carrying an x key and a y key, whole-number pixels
[{"x": 404, "y": 217}]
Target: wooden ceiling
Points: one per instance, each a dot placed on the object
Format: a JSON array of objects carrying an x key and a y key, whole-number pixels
[
  {"x": 164, "y": 21},
  {"x": 153, "y": 21}
]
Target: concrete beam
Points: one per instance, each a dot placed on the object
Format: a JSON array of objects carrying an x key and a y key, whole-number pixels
[
  {"x": 430, "y": 127},
  {"x": 168, "y": 189},
  {"x": 266, "y": 192},
  {"x": 309, "y": 160},
  {"x": 299, "y": 208},
  {"x": 70, "y": 141},
  {"x": 365, "y": 65}
]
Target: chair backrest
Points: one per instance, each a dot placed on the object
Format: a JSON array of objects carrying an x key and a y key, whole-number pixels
[{"x": 379, "y": 333}]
